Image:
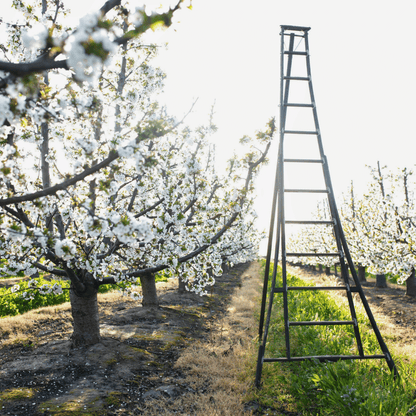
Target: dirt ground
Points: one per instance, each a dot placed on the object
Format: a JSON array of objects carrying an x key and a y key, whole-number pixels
[{"x": 182, "y": 358}]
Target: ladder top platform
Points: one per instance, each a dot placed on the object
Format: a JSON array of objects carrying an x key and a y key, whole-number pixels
[{"x": 299, "y": 28}]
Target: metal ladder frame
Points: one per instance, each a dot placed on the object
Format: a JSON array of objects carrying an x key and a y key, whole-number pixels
[{"x": 280, "y": 246}]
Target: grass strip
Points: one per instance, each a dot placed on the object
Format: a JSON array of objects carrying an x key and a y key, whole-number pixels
[
  {"x": 363, "y": 387},
  {"x": 17, "y": 303}
]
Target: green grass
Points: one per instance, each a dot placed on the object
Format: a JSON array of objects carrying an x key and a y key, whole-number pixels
[
  {"x": 353, "y": 388},
  {"x": 13, "y": 303}
]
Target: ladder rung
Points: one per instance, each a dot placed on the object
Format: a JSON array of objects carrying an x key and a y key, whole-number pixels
[
  {"x": 297, "y": 78},
  {"x": 299, "y": 105},
  {"x": 312, "y": 191},
  {"x": 297, "y": 28},
  {"x": 305, "y": 323},
  {"x": 303, "y": 160},
  {"x": 308, "y": 222},
  {"x": 281, "y": 289},
  {"x": 300, "y": 132},
  {"x": 295, "y": 53},
  {"x": 327, "y": 358},
  {"x": 312, "y": 254}
]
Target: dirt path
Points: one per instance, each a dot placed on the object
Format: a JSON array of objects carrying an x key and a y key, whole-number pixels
[
  {"x": 395, "y": 313},
  {"x": 182, "y": 358}
]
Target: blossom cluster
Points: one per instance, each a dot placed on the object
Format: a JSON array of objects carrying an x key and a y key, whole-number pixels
[{"x": 158, "y": 204}]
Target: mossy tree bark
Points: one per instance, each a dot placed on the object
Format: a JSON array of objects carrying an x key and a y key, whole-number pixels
[{"x": 149, "y": 292}]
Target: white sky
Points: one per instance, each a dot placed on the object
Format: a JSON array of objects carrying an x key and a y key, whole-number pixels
[{"x": 363, "y": 72}]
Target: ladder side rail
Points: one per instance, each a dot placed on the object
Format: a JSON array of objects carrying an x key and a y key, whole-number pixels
[
  {"x": 283, "y": 111},
  {"x": 332, "y": 205},
  {"x": 364, "y": 301},
  {"x": 279, "y": 188},
  {"x": 269, "y": 251},
  {"x": 284, "y": 98},
  {"x": 262, "y": 347},
  {"x": 263, "y": 342},
  {"x": 283, "y": 106}
]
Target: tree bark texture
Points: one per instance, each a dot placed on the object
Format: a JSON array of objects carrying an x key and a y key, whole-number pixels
[
  {"x": 411, "y": 285},
  {"x": 86, "y": 322},
  {"x": 182, "y": 286},
  {"x": 381, "y": 280},
  {"x": 361, "y": 274},
  {"x": 327, "y": 270},
  {"x": 149, "y": 290}
]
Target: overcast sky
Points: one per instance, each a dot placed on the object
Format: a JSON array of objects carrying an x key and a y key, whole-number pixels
[{"x": 363, "y": 72}]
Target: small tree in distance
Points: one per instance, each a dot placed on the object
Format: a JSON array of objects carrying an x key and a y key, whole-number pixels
[{"x": 100, "y": 185}]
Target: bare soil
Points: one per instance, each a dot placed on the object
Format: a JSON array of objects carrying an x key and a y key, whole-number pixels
[
  {"x": 184, "y": 358},
  {"x": 181, "y": 358}
]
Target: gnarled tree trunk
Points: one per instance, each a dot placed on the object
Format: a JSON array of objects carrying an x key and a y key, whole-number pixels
[
  {"x": 149, "y": 290},
  {"x": 411, "y": 285},
  {"x": 84, "y": 310},
  {"x": 381, "y": 280}
]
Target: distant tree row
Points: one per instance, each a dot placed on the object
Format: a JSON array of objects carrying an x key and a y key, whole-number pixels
[{"x": 380, "y": 228}]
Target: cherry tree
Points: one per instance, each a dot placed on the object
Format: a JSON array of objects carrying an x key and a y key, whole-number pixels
[{"x": 100, "y": 185}]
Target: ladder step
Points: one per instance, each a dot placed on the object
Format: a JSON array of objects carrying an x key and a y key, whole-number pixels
[
  {"x": 303, "y": 160},
  {"x": 289, "y": 288},
  {"x": 305, "y": 323},
  {"x": 297, "y": 78},
  {"x": 295, "y": 53},
  {"x": 297, "y": 28},
  {"x": 299, "y": 105},
  {"x": 312, "y": 191},
  {"x": 312, "y": 254},
  {"x": 323, "y": 358},
  {"x": 300, "y": 132},
  {"x": 308, "y": 222}
]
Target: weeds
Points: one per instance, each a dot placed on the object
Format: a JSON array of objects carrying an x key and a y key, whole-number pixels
[{"x": 350, "y": 388}]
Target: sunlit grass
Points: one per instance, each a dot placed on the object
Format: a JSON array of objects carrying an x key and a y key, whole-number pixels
[{"x": 362, "y": 387}]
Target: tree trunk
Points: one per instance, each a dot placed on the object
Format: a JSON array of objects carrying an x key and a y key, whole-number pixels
[
  {"x": 381, "y": 280},
  {"x": 182, "y": 286},
  {"x": 320, "y": 268},
  {"x": 149, "y": 290},
  {"x": 361, "y": 274},
  {"x": 327, "y": 270},
  {"x": 335, "y": 270},
  {"x": 84, "y": 311},
  {"x": 411, "y": 285}
]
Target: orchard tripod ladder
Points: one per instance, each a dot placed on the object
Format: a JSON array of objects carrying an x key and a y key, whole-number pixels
[{"x": 341, "y": 253}]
